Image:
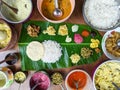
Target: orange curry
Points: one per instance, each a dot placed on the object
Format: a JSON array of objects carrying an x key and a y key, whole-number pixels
[
  {"x": 48, "y": 8},
  {"x": 75, "y": 77}
]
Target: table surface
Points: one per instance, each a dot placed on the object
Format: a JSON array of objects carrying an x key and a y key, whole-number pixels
[{"x": 75, "y": 18}]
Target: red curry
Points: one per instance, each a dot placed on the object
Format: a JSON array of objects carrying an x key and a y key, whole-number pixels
[{"x": 75, "y": 77}]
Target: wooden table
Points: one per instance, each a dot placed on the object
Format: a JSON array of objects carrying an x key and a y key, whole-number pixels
[{"x": 76, "y": 18}]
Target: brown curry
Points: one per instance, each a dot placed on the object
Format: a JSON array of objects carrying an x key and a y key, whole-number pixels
[{"x": 48, "y": 8}]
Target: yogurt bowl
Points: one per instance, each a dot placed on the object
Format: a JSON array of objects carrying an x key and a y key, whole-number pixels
[{"x": 24, "y": 10}]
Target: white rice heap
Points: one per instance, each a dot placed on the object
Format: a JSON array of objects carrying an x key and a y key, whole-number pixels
[
  {"x": 53, "y": 51},
  {"x": 102, "y": 13}
]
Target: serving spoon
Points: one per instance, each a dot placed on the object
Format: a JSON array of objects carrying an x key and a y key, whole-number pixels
[
  {"x": 117, "y": 88},
  {"x": 12, "y": 8},
  {"x": 118, "y": 42},
  {"x": 35, "y": 86},
  {"x": 10, "y": 57},
  {"x": 57, "y": 12},
  {"x": 76, "y": 83}
]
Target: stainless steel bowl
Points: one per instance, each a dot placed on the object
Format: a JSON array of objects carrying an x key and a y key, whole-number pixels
[{"x": 97, "y": 28}]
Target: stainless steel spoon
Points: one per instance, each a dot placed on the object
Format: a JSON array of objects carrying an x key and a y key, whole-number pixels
[
  {"x": 117, "y": 88},
  {"x": 10, "y": 57},
  {"x": 12, "y": 8},
  {"x": 35, "y": 86},
  {"x": 57, "y": 12},
  {"x": 76, "y": 83},
  {"x": 118, "y": 42}
]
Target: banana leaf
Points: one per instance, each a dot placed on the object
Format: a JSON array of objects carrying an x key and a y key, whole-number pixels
[{"x": 67, "y": 48}]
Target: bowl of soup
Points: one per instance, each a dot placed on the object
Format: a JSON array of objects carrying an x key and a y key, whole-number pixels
[
  {"x": 79, "y": 77},
  {"x": 47, "y": 7}
]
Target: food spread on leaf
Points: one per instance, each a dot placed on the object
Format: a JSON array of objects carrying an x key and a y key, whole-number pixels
[
  {"x": 75, "y": 28},
  {"x": 35, "y": 50},
  {"x": 58, "y": 46},
  {"x": 94, "y": 43},
  {"x": 85, "y": 33},
  {"x": 78, "y": 38},
  {"x": 86, "y": 52},
  {"x": 63, "y": 30},
  {"x": 68, "y": 39},
  {"x": 33, "y": 30},
  {"x": 53, "y": 51},
  {"x": 75, "y": 58},
  {"x": 50, "y": 30}
]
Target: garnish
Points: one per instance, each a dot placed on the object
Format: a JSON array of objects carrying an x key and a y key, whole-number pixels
[
  {"x": 50, "y": 31},
  {"x": 33, "y": 30},
  {"x": 78, "y": 38},
  {"x": 75, "y": 28},
  {"x": 85, "y": 33},
  {"x": 86, "y": 52},
  {"x": 63, "y": 30},
  {"x": 75, "y": 58}
]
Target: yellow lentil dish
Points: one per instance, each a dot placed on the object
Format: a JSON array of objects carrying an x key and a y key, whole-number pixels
[
  {"x": 48, "y": 7},
  {"x": 5, "y": 35}
]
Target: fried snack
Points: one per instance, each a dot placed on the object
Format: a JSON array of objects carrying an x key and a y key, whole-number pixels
[
  {"x": 75, "y": 58},
  {"x": 50, "y": 31},
  {"x": 33, "y": 30},
  {"x": 63, "y": 30},
  {"x": 111, "y": 44}
]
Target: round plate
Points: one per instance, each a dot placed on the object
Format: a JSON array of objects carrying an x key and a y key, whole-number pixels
[
  {"x": 108, "y": 33},
  {"x": 10, "y": 76}
]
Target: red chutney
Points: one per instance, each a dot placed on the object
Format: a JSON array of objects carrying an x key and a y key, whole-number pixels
[{"x": 75, "y": 77}]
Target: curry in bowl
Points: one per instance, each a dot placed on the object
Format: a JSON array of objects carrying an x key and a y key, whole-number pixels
[
  {"x": 5, "y": 34},
  {"x": 111, "y": 43},
  {"x": 106, "y": 74},
  {"x": 47, "y": 7}
]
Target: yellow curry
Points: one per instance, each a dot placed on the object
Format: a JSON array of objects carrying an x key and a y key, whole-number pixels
[
  {"x": 5, "y": 35},
  {"x": 48, "y": 7}
]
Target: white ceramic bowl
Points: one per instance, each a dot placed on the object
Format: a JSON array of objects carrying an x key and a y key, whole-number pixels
[
  {"x": 39, "y": 6},
  {"x": 89, "y": 84},
  {"x": 24, "y": 11},
  {"x": 104, "y": 73},
  {"x": 103, "y": 44}
]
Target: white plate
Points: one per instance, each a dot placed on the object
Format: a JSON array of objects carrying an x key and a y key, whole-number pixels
[{"x": 110, "y": 56}]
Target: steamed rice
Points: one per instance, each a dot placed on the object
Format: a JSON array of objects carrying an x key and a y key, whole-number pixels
[
  {"x": 53, "y": 51},
  {"x": 102, "y": 13}
]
